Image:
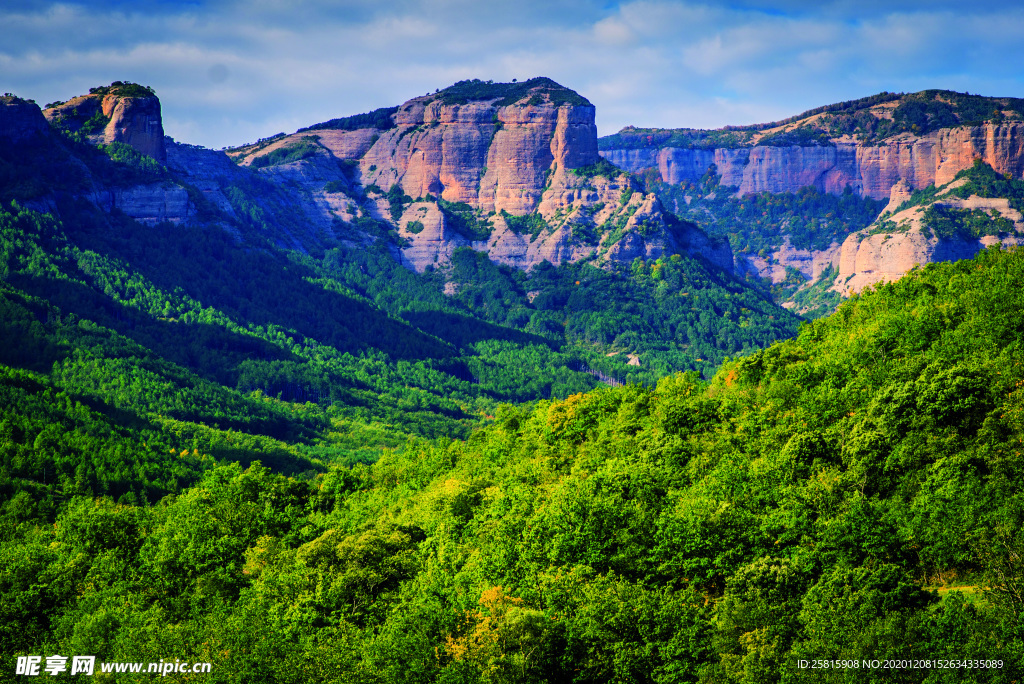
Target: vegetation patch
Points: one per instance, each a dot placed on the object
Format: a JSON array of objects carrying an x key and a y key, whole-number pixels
[
  {"x": 532, "y": 224},
  {"x": 602, "y": 167},
  {"x": 308, "y": 146},
  {"x": 949, "y": 223},
  {"x": 123, "y": 89},
  {"x": 539, "y": 89},
  {"x": 464, "y": 219},
  {"x": 812, "y": 219},
  {"x": 381, "y": 119}
]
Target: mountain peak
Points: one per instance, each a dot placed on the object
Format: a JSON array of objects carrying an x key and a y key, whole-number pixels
[
  {"x": 534, "y": 91},
  {"x": 121, "y": 112}
]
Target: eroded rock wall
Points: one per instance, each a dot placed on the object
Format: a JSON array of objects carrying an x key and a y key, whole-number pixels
[
  {"x": 133, "y": 120},
  {"x": 870, "y": 170}
]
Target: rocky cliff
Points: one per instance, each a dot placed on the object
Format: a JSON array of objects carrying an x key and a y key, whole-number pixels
[
  {"x": 951, "y": 224},
  {"x": 870, "y": 170},
  {"x": 133, "y": 184},
  {"x": 509, "y": 169},
  {"x": 122, "y": 112}
]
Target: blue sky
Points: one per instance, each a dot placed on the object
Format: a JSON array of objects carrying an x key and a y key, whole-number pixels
[{"x": 229, "y": 72}]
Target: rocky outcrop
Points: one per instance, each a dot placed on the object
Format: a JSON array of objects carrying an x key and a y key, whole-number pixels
[
  {"x": 150, "y": 204},
  {"x": 602, "y": 218},
  {"x": 500, "y": 158},
  {"x": 20, "y": 119},
  {"x": 124, "y": 113},
  {"x": 888, "y": 251},
  {"x": 135, "y": 121},
  {"x": 898, "y": 194},
  {"x": 881, "y": 258},
  {"x": 429, "y": 236},
  {"x": 869, "y": 170},
  {"x": 812, "y": 264}
]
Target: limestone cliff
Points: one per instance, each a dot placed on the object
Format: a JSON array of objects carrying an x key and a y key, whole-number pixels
[
  {"x": 952, "y": 224},
  {"x": 868, "y": 144},
  {"x": 121, "y": 112},
  {"x": 150, "y": 203},
  {"x": 490, "y": 153},
  {"x": 509, "y": 169},
  {"x": 870, "y": 170}
]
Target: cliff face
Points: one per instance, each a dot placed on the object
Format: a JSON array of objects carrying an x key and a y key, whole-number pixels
[
  {"x": 20, "y": 119},
  {"x": 870, "y": 170},
  {"x": 491, "y": 157},
  {"x": 501, "y": 157},
  {"x": 900, "y": 241},
  {"x": 871, "y": 259},
  {"x": 126, "y": 113},
  {"x": 602, "y": 217},
  {"x": 151, "y": 203}
]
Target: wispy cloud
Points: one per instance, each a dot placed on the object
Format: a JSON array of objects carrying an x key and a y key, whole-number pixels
[{"x": 229, "y": 71}]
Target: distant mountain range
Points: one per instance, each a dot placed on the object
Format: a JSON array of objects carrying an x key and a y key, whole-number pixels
[{"x": 877, "y": 148}]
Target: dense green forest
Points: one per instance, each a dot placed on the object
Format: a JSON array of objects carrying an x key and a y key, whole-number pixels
[
  {"x": 849, "y": 495},
  {"x": 758, "y": 224}
]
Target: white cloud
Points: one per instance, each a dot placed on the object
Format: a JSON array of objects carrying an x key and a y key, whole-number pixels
[{"x": 280, "y": 65}]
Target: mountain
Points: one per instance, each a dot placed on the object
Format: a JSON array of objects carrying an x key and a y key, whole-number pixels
[
  {"x": 509, "y": 169},
  {"x": 865, "y": 148},
  {"x": 239, "y": 425},
  {"x": 271, "y": 293},
  {"x": 977, "y": 209},
  {"x": 121, "y": 112}
]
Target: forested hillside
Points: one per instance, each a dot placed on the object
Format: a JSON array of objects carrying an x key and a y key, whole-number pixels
[
  {"x": 137, "y": 355},
  {"x": 849, "y": 494}
]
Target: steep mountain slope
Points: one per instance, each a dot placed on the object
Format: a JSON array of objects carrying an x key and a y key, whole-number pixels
[
  {"x": 866, "y": 148},
  {"x": 977, "y": 209},
  {"x": 510, "y": 169}
]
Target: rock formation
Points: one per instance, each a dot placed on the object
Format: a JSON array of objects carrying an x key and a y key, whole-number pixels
[
  {"x": 897, "y": 243},
  {"x": 502, "y": 156},
  {"x": 122, "y": 112},
  {"x": 870, "y": 170},
  {"x": 881, "y": 147},
  {"x": 125, "y": 113}
]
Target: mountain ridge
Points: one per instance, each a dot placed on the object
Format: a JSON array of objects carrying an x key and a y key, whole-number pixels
[
  {"x": 872, "y": 147},
  {"x": 460, "y": 167}
]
